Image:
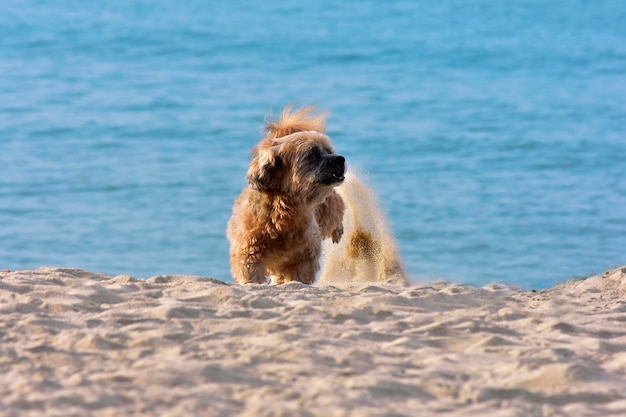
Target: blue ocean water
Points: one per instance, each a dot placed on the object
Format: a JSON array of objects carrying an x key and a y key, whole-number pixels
[{"x": 494, "y": 133}]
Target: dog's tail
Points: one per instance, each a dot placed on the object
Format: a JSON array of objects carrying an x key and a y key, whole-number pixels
[
  {"x": 301, "y": 120},
  {"x": 367, "y": 251}
]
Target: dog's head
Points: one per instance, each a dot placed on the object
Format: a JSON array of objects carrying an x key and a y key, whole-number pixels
[
  {"x": 301, "y": 165},
  {"x": 296, "y": 159}
]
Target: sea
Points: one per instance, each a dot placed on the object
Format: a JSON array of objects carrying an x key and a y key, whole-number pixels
[{"x": 493, "y": 132}]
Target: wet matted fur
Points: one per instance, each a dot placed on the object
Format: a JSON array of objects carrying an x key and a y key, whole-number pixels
[{"x": 290, "y": 203}]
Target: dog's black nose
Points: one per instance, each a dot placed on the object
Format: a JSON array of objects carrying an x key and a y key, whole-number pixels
[{"x": 340, "y": 161}]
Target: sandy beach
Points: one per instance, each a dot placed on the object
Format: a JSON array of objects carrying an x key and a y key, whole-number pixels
[{"x": 76, "y": 343}]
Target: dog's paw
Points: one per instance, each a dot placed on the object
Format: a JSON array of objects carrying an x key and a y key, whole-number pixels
[{"x": 337, "y": 233}]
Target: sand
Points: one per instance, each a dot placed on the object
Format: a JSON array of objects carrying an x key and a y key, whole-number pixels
[
  {"x": 79, "y": 343},
  {"x": 367, "y": 251}
]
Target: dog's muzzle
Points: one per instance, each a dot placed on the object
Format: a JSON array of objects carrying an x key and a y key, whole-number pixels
[{"x": 332, "y": 170}]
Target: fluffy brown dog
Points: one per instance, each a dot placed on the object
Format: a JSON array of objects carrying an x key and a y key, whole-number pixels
[{"x": 290, "y": 205}]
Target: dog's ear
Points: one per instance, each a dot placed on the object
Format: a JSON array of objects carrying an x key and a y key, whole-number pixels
[{"x": 264, "y": 172}]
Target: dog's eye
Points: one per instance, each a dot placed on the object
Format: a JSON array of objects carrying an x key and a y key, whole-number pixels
[{"x": 314, "y": 155}]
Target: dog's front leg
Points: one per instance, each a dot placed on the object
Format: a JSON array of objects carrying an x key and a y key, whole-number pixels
[
  {"x": 304, "y": 272},
  {"x": 247, "y": 271},
  {"x": 304, "y": 264},
  {"x": 329, "y": 217}
]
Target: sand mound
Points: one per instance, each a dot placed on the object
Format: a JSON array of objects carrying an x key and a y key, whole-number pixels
[{"x": 74, "y": 343}]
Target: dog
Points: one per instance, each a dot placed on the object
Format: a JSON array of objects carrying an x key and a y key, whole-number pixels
[{"x": 290, "y": 204}]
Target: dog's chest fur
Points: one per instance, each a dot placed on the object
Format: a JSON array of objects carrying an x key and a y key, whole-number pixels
[{"x": 282, "y": 221}]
